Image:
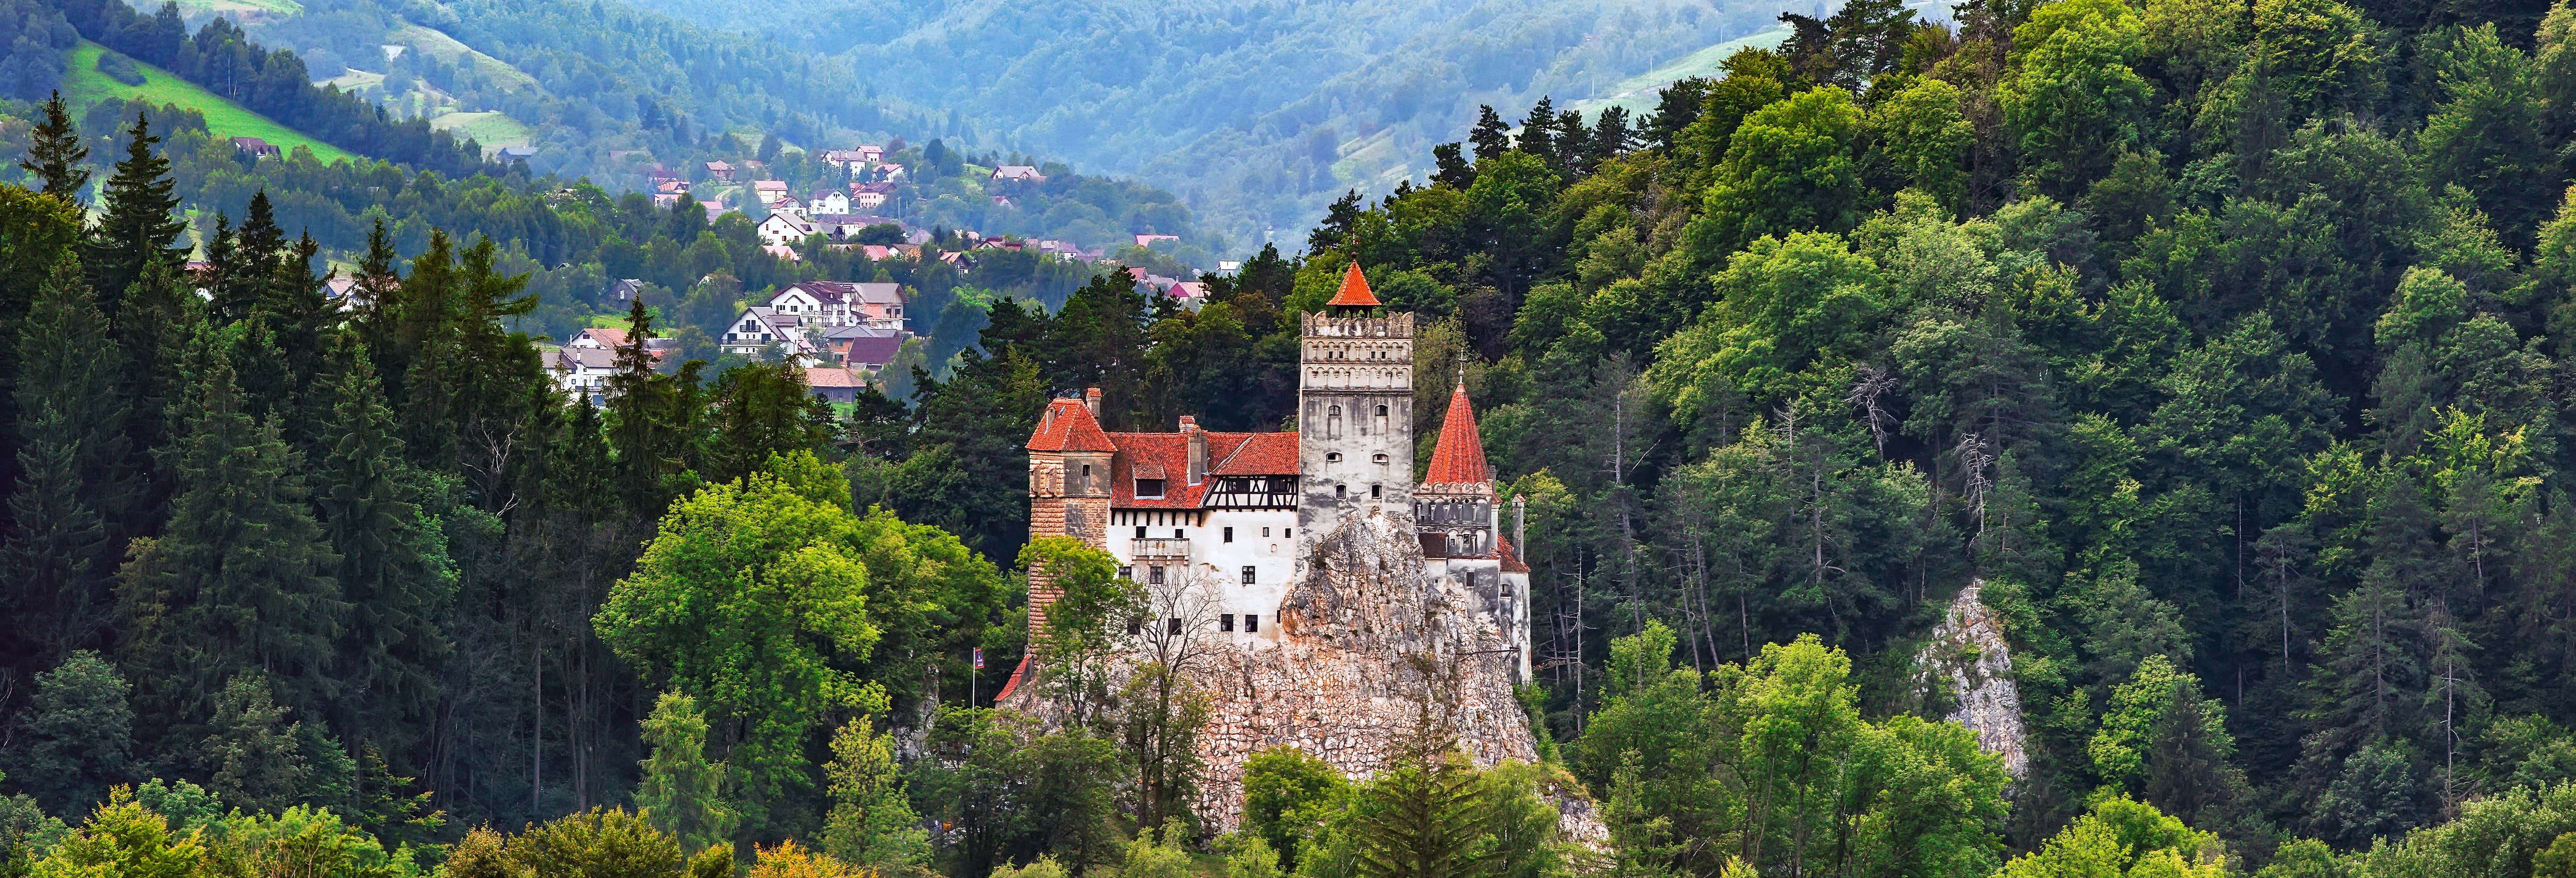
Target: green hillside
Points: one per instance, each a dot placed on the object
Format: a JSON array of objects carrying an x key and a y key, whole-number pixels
[{"x": 83, "y": 85}]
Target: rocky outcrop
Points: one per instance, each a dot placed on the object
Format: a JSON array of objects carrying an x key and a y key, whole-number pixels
[
  {"x": 1969, "y": 658},
  {"x": 1369, "y": 649}
]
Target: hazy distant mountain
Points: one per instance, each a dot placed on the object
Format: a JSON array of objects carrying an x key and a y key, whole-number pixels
[{"x": 1256, "y": 112}]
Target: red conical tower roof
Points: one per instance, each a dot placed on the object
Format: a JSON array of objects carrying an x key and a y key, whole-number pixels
[
  {"x": 1460, "y": 458},
  {"x": 1355, "y": 292}
]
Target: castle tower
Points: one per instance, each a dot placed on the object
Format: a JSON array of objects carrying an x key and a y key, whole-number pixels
[
  {"x": 1354, "y": 409},
  {"x": 1069, "y": 486}
]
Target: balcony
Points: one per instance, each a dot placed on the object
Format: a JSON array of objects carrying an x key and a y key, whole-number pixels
[{"x": 1162, "y": 547}]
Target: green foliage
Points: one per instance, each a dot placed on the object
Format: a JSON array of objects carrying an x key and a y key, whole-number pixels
[
  {"x": 772, "y": 567},
  {"x": 872, "y": 823},
  {"x": 1289, "y": 795},
  {"x": 683, "y": 792},
  {"x": 2123, "y": 837},
  {"x": 78, "y": 735}
]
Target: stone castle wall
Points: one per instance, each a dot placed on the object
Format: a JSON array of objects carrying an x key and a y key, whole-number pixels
[{"x": 1368, "y": 643}]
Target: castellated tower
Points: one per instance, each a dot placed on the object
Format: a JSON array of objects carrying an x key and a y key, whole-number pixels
[
  {"x": 1354, "y": 410},
  {"x": 1069, "y": 486}
]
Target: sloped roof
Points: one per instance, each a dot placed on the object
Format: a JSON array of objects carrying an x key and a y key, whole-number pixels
[
  {"x": 1511, "y": 559},
  {"x": 1069, "y": 426},
  {"x": 1460, "y": 457},
  {"x": 1355, "y": 291},
  {"x": 1258, "y": 454},
  {"x": 825, "y": 376}
]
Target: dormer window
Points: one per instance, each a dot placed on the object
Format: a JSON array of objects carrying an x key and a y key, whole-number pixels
[{"x": 1149, "y": 489}]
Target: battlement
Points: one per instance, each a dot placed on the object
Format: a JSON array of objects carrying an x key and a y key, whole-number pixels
[{"x": 1321, "y": 325}]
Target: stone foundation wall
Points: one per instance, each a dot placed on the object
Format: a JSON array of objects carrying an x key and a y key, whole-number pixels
[{"x": 1368, "y": 644}]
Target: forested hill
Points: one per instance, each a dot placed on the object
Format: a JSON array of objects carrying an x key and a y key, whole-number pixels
[
  {"x": 1256, "y": 114},
  {"x": 2224, "y": 345}
]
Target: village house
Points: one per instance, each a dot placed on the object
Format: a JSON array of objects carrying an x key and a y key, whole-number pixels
[
  {"x": 863, "y": 347},
  {"x": 786, "y": 228},
  {"x": 624, "y": 291},
  {"x": 835, "y": 383},
  {"x": 720, "y": 171},
  {"x": 826, "y": 303},
  {"x": 581, "y": 372},
  {"x": 867, "y": 201},
  {"x": 788, "y": 204},
  {"x": 761, "y": 328},
  {"x": 1234, "y": 513},
  {"x": 1017, "y": 174},
  {"x": 767, "y": 191},
  {"x": 843, "y": 225},
  {"x": 828, "y": 201},
  {"x": 1151, "y": 240}
]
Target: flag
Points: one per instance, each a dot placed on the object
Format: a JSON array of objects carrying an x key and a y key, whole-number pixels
[{"x": 979, "y": 658}]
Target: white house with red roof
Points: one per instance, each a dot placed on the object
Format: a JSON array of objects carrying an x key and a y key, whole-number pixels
[{"x": 1233, "y": 513}]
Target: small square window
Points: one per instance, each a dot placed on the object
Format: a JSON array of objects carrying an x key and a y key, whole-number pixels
[
  {"x": 1175, "y": 625},
  {"x": 1140, "y": 531},
  {"x": 1229, "y": 535},
  {"x": 1265, "y": 531},
  {"x": 1251, "y": 623},
  {"x": 1248, "y": 574},
  {"x": 1225, "y": 622},
  {"x": 1376, "y": 492},
  {"x": 1154, "y": 575},
  {"x": 1135, "y": 627},
  {"x": 1126, "y": 572}
]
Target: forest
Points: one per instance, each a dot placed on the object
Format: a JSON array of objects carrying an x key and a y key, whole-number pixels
[{"x": 2216, "y": 345}]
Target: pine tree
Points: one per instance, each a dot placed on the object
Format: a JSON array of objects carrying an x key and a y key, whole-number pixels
[
  {"x": 241, "y": 579},
  {"x": 140, "y": 222},
  {"x": 682, "y": 792},
  {"x": 654, "y": 420},
  {"x": 54, "y": 153},
  {"x": 763, "y": 409},
  {"x": 74, "y": 494},
  {"x": 393, "y": 562},
  {"x": 162, "y": 321},
  {"x": 871, "y": 822},
  {"x": 1490, "y": 137}
]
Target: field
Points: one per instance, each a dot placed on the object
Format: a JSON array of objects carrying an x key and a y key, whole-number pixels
[
  {"x": 83, "y": 85},
  {"x": 1637, "y": 93},
  {"x": 491, "y": 128}
]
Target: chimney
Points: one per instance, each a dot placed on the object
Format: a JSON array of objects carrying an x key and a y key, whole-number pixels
[
  {"x": 1198, "y": 448},
  {"x": 1091, "y": 400}
]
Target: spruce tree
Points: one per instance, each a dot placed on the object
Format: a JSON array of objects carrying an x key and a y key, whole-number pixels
[
  {"x": 161, "y": 320},
  {"x": 393, "y": 563},
  {"x": 54, "y": 153},
  {"x": 73, "y": 495},
  {"x": 241, "y": 579},
  {"x": 76, "y": 737},
  {"x": 682, "y": 791},
  {"x": 140, "y": 222},
  {"x": 655, "y": 420},
  {"x": 763, "y": 409}
]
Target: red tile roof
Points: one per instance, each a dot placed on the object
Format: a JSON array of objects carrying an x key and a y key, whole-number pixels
[
  {"x": 826, "y": 376},
  {"x": 1257, "y": 454},
  {"x": 1355, "y": 290},
  {"x": 1068, "y": 426},
  {"x": 1460, "y": 458},
  {"x": 1511, "y": 559}
]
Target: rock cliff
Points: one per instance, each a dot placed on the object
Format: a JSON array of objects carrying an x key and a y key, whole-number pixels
[
  {"x": 1969, "y": 657},
  {"x": 1367, "y": 643}
]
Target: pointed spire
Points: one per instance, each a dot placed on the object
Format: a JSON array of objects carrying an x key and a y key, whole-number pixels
[
  {"x": 1460, "y": 457},
  {"x": 1355, "y": 290}
]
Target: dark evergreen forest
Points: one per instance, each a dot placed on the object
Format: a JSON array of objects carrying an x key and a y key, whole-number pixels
[{"x": 2217, "y": 344}]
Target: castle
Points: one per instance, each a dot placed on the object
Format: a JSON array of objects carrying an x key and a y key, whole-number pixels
[
  {"x": 1241, "y": 510},
  {"x": 1334, "y": 605}
]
